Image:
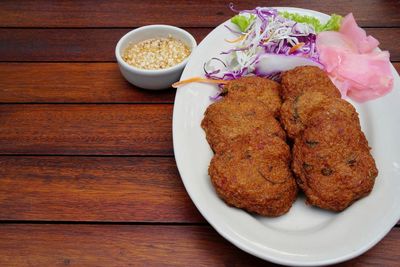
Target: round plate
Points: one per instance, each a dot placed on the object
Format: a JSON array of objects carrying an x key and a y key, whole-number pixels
[{"x": 305, "y": 235}]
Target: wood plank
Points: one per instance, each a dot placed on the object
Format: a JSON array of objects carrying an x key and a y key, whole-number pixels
[
  {"x": 75, "y": 83},
  {"x": 181, "y": 13},
  {"x": 388, "y": 39},
  {"x": 72, "y": 83},
  {"x": 98, "y": 44},
  {"x": 139, "y": 245},
  {"x": 86, "y": 129},
  {"x": 65, "y": 44},
  {"x": 112, "y": 189},
  {"x": 116, "y": 245}
]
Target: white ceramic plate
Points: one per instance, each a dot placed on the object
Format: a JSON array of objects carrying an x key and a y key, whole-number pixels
[{"x": 305, "y": 235}]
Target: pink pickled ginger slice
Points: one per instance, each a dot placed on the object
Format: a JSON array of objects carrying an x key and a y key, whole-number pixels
[
  {"x": 336, "y": 39},
  {"x": 368, "y": 75},
  {"x": 358, "y": 74},
  {"x": 357, "y": 35}
]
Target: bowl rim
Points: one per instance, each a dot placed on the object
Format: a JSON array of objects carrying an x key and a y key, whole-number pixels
[{"x": 147, "y": 27}]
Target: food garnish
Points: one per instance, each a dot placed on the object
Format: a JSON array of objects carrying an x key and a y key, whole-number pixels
[
  {"x": 269, "y": 42},
  {"x": 199, "y": 80},
  {"x": 263, "y": 31},
  {"x": 333, "y": 24},
  {"x": 354, "y": 63},
  {"x": 243, "y": 22}
]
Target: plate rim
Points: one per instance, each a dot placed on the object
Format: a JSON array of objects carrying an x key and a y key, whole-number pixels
[{"x": 226, "y": 232}]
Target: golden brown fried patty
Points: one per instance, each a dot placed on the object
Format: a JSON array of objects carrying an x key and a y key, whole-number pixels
[
  {"x": 296, "y": 112},
  {"x": 250, "y": 168},
  {"x": 332, "y": 162},
  {"x": 257, "y": 90},
  {"x": 253, "y": 174},
  {"x": 228, "y": 119},
  {"x": 331, "y": 157},
  {"x": 307, "y": 79}
]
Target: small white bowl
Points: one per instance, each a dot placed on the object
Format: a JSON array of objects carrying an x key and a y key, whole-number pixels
[{"x": 153, "y": 79}]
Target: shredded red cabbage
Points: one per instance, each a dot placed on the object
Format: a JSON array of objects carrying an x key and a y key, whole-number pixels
[{"x": 269, "y": 33}]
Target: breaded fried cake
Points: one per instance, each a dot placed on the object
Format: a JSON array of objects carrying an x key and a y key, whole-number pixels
[
  {"x": 253, "y": 174},
  {"x": 257, "y": 90},
  {"x": 296, "y": 112},
  {"x": 228, "y": 119},
  {"x": 251, "y": 165},
  {"x": 307, "y": 79},
  {"x": 332, "y": 162}
]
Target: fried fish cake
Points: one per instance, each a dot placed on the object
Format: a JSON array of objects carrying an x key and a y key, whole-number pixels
[
  {"x": 307, "y": 79},
  {"x": 297, "y": 111},
  {"x": 331, "y": 157},
  {"x": 258, "y": 90},
  {"x": 250, "y": 168},
  {"x": 227, "y": 119},
  {"x": 332, "y": 162},
  {"x": 253, "y": 174}
]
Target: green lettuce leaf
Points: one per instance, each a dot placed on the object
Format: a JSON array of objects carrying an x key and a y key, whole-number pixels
[
  {"x": 243, "y": 22},
  {"x": 333, "y": 24}
]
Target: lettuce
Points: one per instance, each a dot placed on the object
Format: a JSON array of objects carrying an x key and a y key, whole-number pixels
[
  {"x": 243, "y": 22},
  {"x": 333, "y": 23}
]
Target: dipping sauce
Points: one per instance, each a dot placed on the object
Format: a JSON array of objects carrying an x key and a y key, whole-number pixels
[{"x": 155, "y": 54}]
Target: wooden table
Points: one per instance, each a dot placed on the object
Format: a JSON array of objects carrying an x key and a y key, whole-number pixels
[{"x": 87, "y": 173}]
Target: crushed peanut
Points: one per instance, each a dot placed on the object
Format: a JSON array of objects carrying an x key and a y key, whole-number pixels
[{"x": 157, "y": 53}]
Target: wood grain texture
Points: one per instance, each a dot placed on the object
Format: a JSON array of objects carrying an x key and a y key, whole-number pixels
[
  {"x": 139, "y": 245},
  {"x": 180, "y": 13},
  {"x": 19, "y": 45},
  {"x": 112, "y": 189},
  {"x": 72, "y": 83},
  {"x": 66, "y": 44},
  {"x": 128, "y": 208},
  {"x": 116, "y": 245},
  {"x": 86, "y": 129}
]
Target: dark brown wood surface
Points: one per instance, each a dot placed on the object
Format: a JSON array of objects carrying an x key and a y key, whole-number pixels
[
  {"x": 93, "y": 189},
  {"x": 74, "y": 83},
  {"x": 96, "y": 45},
  {"x": 86, "y": 129},
  {"x": 182, "y": 13},
  {"x": 142, "y": 245},
  {"x": 110, "y": 189},
  {"x": 87, "y": 173}
]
